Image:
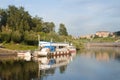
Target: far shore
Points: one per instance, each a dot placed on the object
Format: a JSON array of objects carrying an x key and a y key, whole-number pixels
[{"x": 103, "y": 44}]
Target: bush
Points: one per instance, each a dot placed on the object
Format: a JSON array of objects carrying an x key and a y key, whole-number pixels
[
  {"x": 6, "y": 36},
  {"x": 16, "y": 36},
  {"x": 30, "y": 38}
]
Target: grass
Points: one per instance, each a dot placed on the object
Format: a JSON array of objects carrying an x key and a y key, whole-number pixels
[
  {"x": 104, "y": 40},
  {"x": 13, "y": 46}
]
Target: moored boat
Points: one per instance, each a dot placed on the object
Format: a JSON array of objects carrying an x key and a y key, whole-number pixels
[
  {"x": 25, "y": 55},
  {"x": 50, "y": 48}
]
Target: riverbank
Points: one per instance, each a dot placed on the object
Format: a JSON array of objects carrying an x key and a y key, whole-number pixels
[
  {"x": 103, "y": 44},
  {"x": 9, "y": 50},
  {"x": 7, "y": 54}
]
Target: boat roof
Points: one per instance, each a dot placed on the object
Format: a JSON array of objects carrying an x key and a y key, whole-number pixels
[{"x": 44, "y": 43}]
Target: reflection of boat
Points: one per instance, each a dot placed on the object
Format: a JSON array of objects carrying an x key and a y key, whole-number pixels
[
  {"x": 50, "y": 48},
  {"x": 48, "y": 63},
  {"x": 53, "y": 63}
]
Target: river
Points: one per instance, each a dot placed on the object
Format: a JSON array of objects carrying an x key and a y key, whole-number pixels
[{"x": 91, "y": 64}]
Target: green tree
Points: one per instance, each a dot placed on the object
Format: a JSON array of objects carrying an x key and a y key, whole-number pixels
[
  {"x": 3, "y": 18},
  {"x": 62, "y": 30},
  {"x": 52, "y": 27},
  {"x": 48, "y": 27},
  {"x": 18, "y": 18},
  {"x": 37, "y": 24}
]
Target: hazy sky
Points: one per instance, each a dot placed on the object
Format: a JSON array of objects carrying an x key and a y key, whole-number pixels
[{"x": 79, "y": 16}]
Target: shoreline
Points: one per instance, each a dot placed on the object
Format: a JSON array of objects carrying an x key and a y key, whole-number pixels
[
  {"x": 103, "y": 44},
  {"x": 7, "y": 52}
]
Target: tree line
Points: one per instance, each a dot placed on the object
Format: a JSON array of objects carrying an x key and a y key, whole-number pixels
[{"x": 17, "y": 25}]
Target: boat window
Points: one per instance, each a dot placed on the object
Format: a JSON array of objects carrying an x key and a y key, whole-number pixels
[{"x": 61, "y": 46}]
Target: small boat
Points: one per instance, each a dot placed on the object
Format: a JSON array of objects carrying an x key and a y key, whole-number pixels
[
  {"x": 72, "y": 49},
  {"x": 26, "y": 55}
]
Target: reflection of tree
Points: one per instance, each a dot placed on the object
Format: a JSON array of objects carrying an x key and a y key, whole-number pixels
[
  {"x": 18, "y": 70},
  {"x": 117, "y": 56},
  {"x": 62, "y": 68},
  {"x": 45, "y": 73}
]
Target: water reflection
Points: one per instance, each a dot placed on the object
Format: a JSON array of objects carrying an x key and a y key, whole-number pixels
[
  {"x": 17, "y": 70},
  {"x": 21, "y": 68},
  {"x": 91, "y": 64},
  {"x": 48, "y": 65},
  {"x": 102, "y": 53}
]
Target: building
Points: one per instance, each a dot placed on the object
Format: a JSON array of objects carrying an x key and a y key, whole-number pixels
[{"x": 103, "y": 33}]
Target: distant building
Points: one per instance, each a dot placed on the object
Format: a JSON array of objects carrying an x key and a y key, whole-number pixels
[{"x": 103, "y": 33}]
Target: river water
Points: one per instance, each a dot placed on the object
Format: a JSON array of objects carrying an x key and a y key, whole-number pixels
[{"x": 90, "y": 64}]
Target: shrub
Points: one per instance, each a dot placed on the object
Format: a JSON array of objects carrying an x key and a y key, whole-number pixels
[
  {"x": 30, "y": 38},
  {"x": 16, "y": 36}
]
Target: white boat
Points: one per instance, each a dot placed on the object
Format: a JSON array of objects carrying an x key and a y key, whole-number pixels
[
  {"x": 26, "y": 55},
  {"x": 47, "y": 48}
]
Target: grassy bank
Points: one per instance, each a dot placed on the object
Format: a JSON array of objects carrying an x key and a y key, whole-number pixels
[{"x": 13, "y": 46}]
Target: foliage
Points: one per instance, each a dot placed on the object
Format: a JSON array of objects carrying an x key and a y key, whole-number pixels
[
  {"x": 22, "y": 27},
  {"x": 3, "y": 18},
  {"x": 18, "y": 26},
  {"x": 30, "y": 38},
  {"x": 16, "y": 36},
  {"x": 62, "y": 30},
  {"x": 48, "y": 27},
  {"x": 6, "y": 34},
  {"x": 37, "y": 24}
]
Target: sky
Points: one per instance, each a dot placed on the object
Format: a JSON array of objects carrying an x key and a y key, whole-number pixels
[{"x": 81, "y": 17}]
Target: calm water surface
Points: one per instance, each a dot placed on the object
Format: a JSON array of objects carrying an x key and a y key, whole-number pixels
[{"x": 91, "y": 64}]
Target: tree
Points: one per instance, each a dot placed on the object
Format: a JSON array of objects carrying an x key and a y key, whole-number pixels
[
  {"x": 48, "y": 27},
  {"x": 52, "y": 27},
  {"x": 37, "y": 24},
  {"x": 18, "y": 18},
  {"x": 3, "y": 18},
  {"x": 62, "y": 30}
]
